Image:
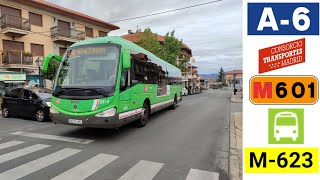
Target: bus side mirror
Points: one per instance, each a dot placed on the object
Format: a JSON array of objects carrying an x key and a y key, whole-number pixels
[
  {"x": 126, "y": 59},
  {"x": 48, "y": 58}
]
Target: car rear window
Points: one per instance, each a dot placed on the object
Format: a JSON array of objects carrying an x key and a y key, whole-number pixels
[{"x": 15, "y": 93}]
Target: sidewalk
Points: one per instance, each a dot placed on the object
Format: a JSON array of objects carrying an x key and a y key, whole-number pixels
[
  {"x": 235, "y": 152},
  {"x": 236, "y": 98}
]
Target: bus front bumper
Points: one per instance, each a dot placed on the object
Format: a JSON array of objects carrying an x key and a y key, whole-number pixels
[{"x": 87, "y": 121}]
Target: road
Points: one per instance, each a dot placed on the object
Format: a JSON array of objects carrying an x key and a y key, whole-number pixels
[{"x": 190, "y": 143}]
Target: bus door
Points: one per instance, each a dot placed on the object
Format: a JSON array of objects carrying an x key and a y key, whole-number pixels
[{"x": 125, "y": 103}]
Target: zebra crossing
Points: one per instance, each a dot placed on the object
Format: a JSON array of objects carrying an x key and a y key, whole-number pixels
[
  {"x": 53, "y": 137},
  {"x": 143, "y": 170}
]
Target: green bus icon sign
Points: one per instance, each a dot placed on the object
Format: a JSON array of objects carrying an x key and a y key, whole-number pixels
[{"x": 286, "y": 126}]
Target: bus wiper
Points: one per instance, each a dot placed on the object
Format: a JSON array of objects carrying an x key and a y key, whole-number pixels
[
  {"x": 58, "y": 90},
  {"x": 99, "y": 91}
]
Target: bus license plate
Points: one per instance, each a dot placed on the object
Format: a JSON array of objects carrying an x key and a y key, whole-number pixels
[{"x": 75, "y": 121}]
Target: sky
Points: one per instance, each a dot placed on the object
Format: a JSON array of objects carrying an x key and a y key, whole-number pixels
[{"x": 213, "y": 31}]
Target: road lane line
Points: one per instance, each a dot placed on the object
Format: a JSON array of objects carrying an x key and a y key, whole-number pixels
[
  {"x": 22, "y": 152},
  {"x": 10, "y": 144},
  {"x": 53, "y": 137},
  {"x": 33, "y": 166},
  {"x": 195, "y": 174},
  {"x": 87, "y": 168},
  {"x": 143, "y": 170}
]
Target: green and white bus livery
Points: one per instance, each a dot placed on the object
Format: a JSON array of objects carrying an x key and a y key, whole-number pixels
[{"x": 108, "y": 82}]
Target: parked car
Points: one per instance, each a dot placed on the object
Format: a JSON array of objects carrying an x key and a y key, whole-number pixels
[
  {"x": 25, "y": 102},
  {"x": 184, "y": 92},
  {"x": 215, "y": 86}
]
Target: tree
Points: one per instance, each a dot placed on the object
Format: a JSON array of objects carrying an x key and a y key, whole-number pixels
[
  {"x": 52, "y": 70},
  {"x": 172, "y": 48},
  {"x": 149, "y": 41},
  {"x": 221, "y": 75},
  {"x": 169, "y": 51}
]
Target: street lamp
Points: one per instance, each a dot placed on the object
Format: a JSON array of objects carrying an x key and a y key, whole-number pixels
[{"x": 39, "y": 64}]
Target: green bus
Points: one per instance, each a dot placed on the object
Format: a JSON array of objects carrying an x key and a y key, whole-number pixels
[{"x": 108, "y": 82}]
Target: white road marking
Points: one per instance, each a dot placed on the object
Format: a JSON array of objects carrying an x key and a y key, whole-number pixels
[
  {"x": 87, "y": 168},
  {"x": 195, "y": 174},
  {"x": 53, "y": 137},
  {"x": 10, "y": 144},
  {"x": 143, "y": 170},
  {"x": 22, "y": 152},
  {"x": 33, "y": 166}
]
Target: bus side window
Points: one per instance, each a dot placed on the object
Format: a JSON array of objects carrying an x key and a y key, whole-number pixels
[
  {"x": 125, "y": 76},
  {"x": 133, "y": 80}
]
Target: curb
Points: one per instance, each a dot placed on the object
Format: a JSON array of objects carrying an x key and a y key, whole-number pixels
[
  {"x": 235, "y": 148},
  {"x": 236, "y": 98}
]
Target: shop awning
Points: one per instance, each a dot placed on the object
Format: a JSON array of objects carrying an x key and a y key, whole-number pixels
[
  {"x": 16, "y": 82},
  {"x": 12, "y": 76}
]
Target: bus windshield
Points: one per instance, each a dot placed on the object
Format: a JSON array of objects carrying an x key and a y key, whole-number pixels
[{"x": 88, "y": 71}]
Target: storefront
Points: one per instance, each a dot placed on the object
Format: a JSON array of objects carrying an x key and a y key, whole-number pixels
[
  {"x": 33, "y": 80},
  {"x": 32, "y": 76},
  {"x": 10, "y": 80}
]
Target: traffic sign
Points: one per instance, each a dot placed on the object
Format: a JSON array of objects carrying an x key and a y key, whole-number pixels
[{"x": 284, "y": 90}]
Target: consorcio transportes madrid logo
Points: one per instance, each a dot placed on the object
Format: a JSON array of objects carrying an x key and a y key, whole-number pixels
[{"x": 281, "y": 56}]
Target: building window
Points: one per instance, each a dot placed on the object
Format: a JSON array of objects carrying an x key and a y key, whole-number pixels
[
  {"x": 12, "y": 45},
  {"x": 89, "y": 32},
  {"x": 102, "y": 34},
  {"x": 9, "y": 10},
  {"x": 37, "y": 50},
  {"x": 35, "y": 19},
  {"x": 12, "y": 52},
  {"x": 62, "y": 51}
]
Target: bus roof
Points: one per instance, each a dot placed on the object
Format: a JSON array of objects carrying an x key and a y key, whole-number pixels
[{"x": 123, "y": 42}]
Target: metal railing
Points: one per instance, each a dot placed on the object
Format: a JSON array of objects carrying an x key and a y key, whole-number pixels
[
  {"x": 186, "y": 73},
  {"x": 16, "y": 57},
  {"x": 68, "y": 33},
  {"x": 14, "y": 22}
]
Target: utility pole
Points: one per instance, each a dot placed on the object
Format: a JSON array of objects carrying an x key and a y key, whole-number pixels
[
  {"x": 21, "y": 61},
  {"x": 234, "y": 84}
]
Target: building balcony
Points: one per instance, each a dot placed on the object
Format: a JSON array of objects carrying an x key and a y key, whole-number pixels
[
  {"x": 61, "y": 34},
  {"x": 184, "y": 78},
  {"x": 10, "y": 58},
  {"x": 13, "y": 25}
]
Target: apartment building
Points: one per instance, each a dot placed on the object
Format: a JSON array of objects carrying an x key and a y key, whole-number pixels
[
  {"x": 193, "y": 84},
  {"x": 30, "y": 29},
  {"x": 234, "y": 79}
]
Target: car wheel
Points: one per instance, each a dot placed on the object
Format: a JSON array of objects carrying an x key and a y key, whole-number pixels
[
  {"x": 40, "y": 115},
  {"x": 144, "y": 116},
  {"x": 5, "y": 112}
]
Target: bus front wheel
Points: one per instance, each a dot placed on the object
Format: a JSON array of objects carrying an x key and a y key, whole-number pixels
[{"x": 144, "y": 115}]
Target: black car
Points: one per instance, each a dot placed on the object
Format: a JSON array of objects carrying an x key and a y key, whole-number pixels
[{"x": 24, "y": 102}]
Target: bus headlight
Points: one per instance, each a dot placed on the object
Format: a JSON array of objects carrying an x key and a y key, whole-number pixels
[
  {"x": 107, "y": 113},
  {"x": 53, "y": 110}
]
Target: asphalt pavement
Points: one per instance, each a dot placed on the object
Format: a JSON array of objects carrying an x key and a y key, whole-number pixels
[{"x": 191, "y": 142}]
